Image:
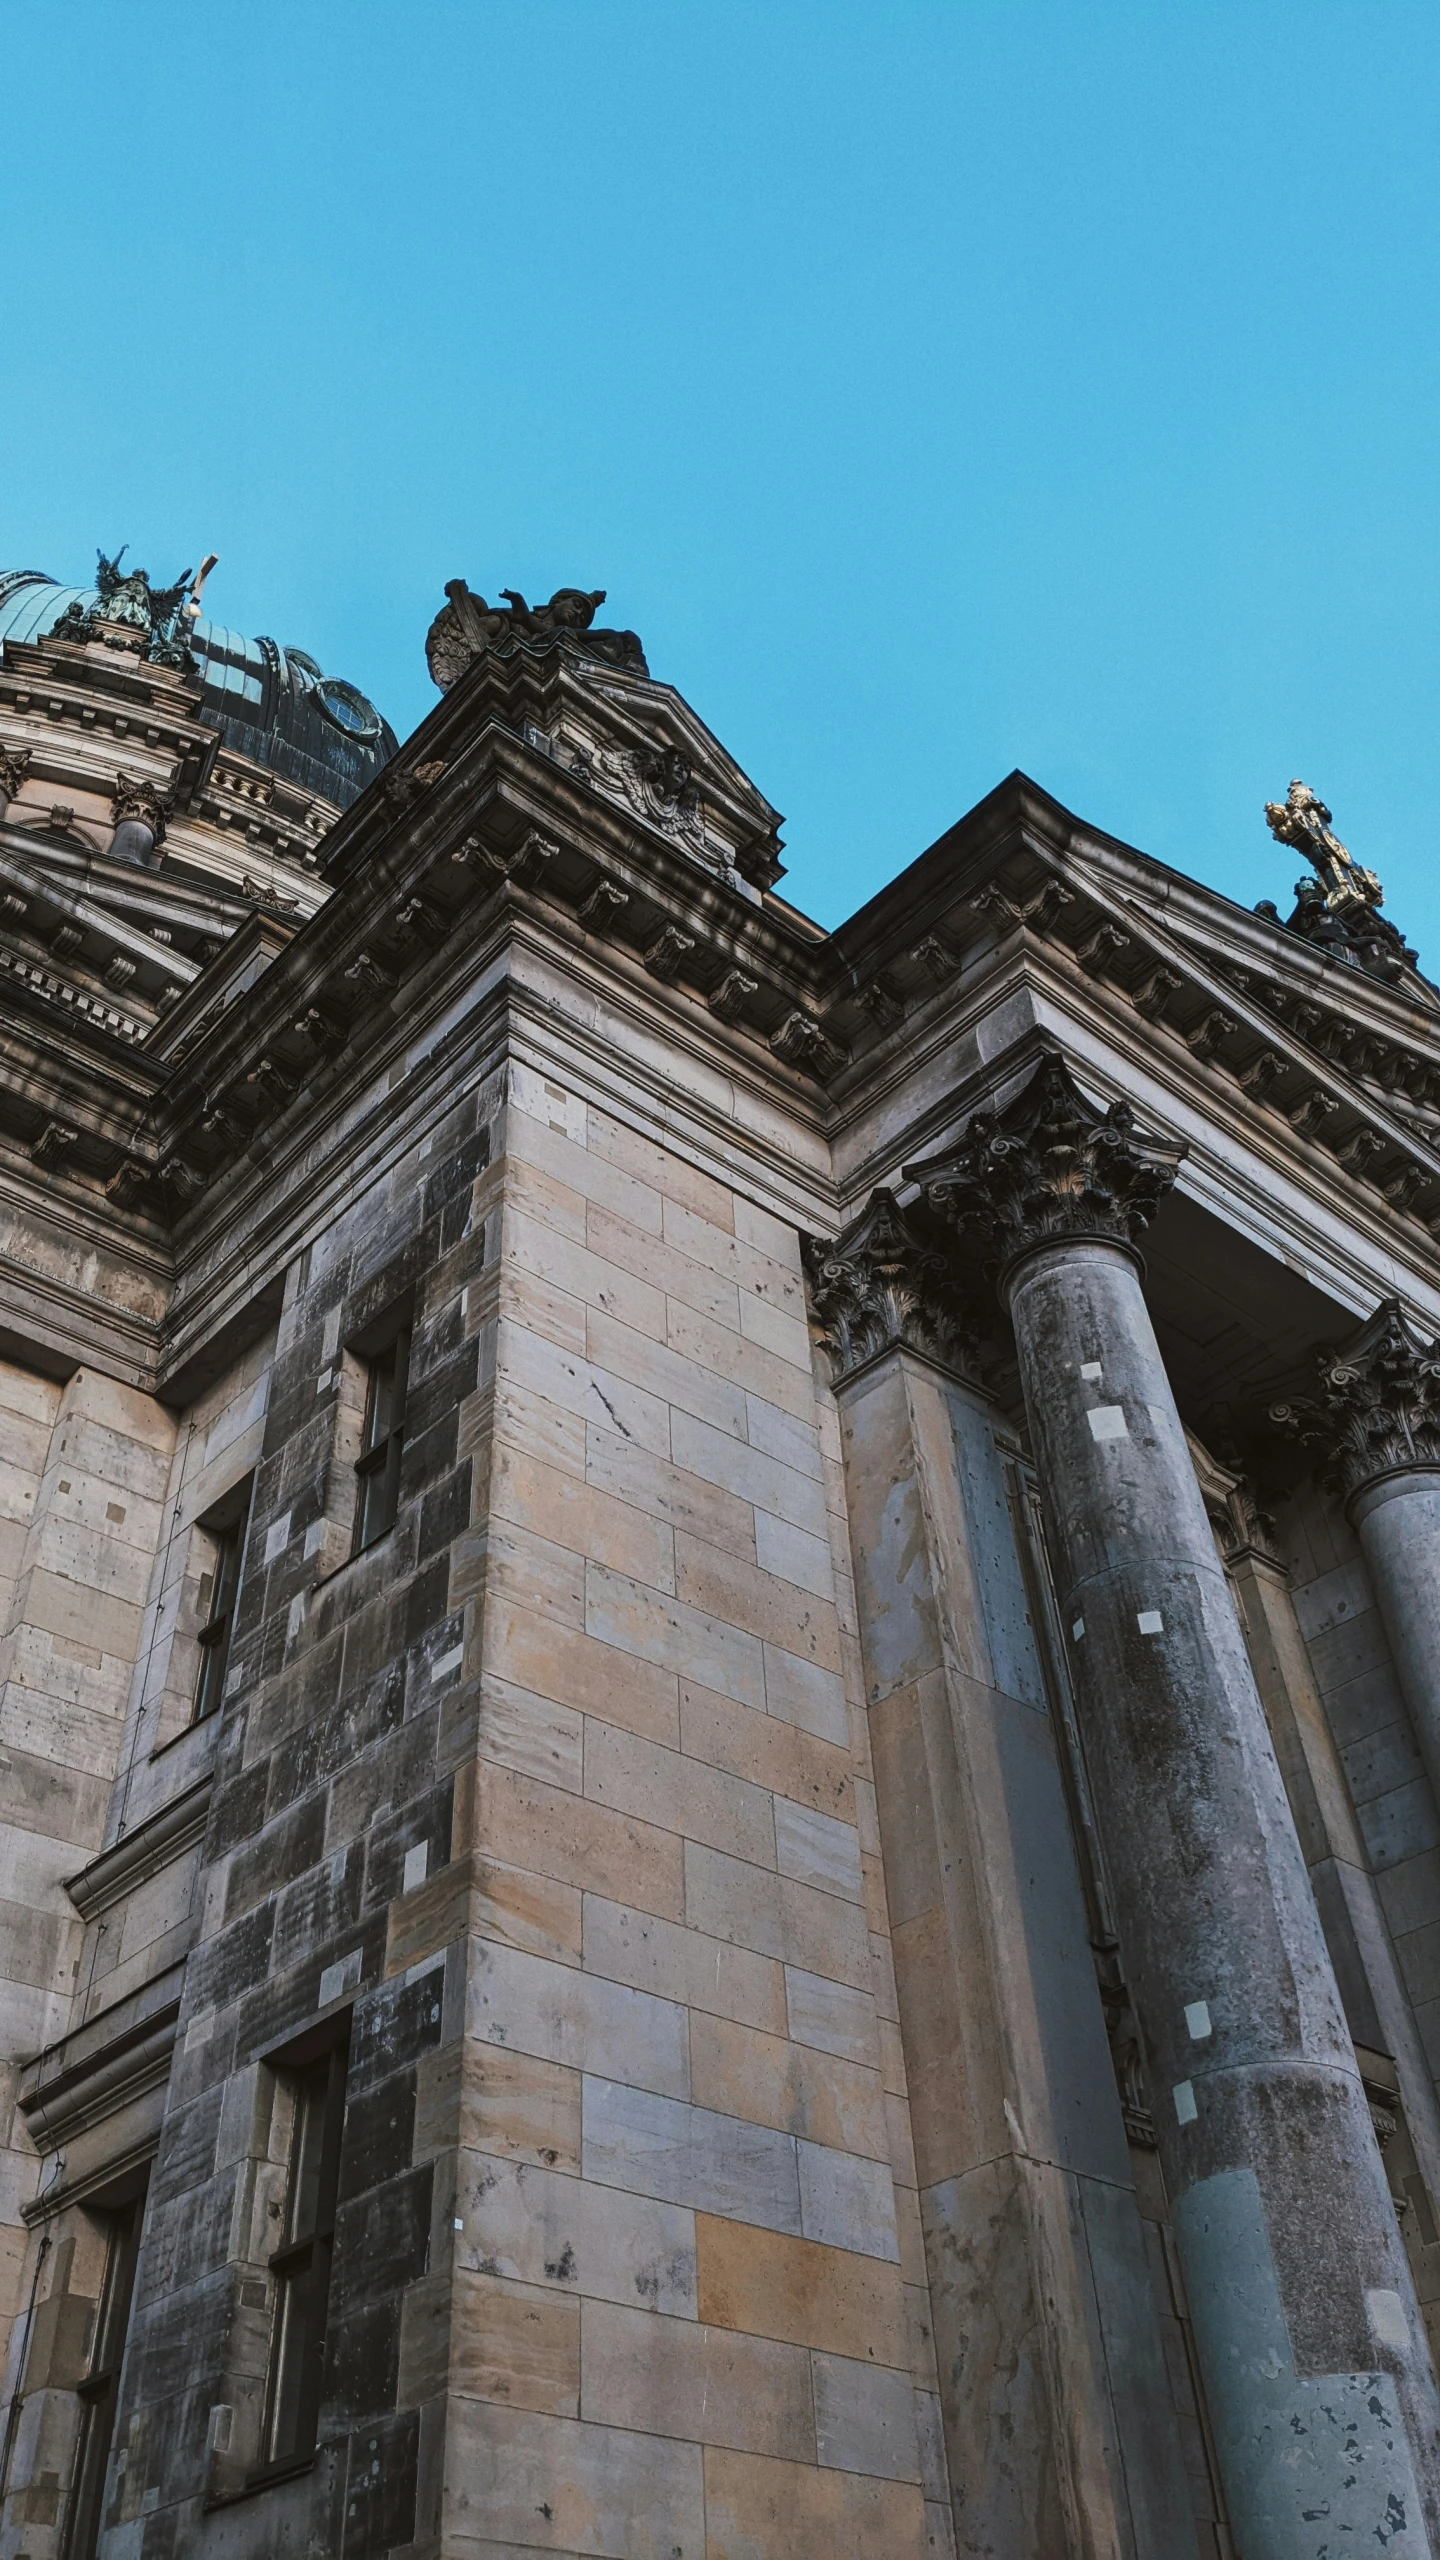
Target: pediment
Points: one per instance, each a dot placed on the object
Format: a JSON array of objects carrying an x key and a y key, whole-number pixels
[{"x": 643, "y": 745}]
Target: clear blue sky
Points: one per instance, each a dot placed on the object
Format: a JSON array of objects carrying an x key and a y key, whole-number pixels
[{"x": 935, "y": 388}]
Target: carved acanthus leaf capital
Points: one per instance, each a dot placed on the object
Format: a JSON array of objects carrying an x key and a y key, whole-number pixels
[
  {"x": 133, "y": 797},
  {"x": 14, "y": 765},
  {"x": 1050, "y": 1166},
  {"x": 881, "y": 1282},
  {"x": 1377, "y": 1407}
]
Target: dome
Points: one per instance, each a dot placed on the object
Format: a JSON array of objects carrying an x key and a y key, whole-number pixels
[{"x": 272, "y": 704}]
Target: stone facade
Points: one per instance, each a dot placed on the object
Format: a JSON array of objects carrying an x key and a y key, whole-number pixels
[{"x": 801, "y": 1910}]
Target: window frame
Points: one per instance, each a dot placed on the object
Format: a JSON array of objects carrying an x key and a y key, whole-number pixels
[
  {"x": 377, "y": 1468},
  {"x": 214, "y": 1637},
  {"x": 304, "y": 2256},
  {"x": 99, "y": 2393}
]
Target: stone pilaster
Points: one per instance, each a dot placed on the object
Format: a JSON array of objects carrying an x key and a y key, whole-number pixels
[
  {"x": 1374, "y": 1424},
  {"x": 1059, "y": 2427},
  {"x": 1317, "y": 2373}
]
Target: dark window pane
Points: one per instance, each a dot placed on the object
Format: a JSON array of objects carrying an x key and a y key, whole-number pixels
[
  {"x": 378, "y": 1467},
  {"x": 215, "y": 1634},
  {"x": 293, "y": 2359},
  {"x": 100, "y": 2390},
  {"x": 302, "y": 2266}
]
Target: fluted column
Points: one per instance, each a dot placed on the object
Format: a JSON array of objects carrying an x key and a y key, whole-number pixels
[
  {"x": 1317, "y": 2373},
  {"x": 1375, "y": 1425}
]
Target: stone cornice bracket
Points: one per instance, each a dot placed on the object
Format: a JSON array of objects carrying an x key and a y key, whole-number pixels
[
  {"x": 14, "y": 765},
  {"x": 1050, "y": 1166},
  {"x": 666, "y": 952},
  {"x": 879, "y": 1284},
  {"x": 603, "y": 905},
  {"x": 804, "y": 1043},
  {"x": 52, "y": 1146},
  {"x": 135, "y": 798},
  {"x": 523, "y": 864},
  {"x": 401, "y": 786},
  {"x": 727, "y": 1000},
  {"x": 1377, "y": 1411}
]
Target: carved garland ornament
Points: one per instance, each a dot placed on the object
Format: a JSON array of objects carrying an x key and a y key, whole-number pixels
[
  {"x": 1048, "y": 1167},
  {"x": 881, "y": 1282},
  {"x": 1378, "y": 1405}
]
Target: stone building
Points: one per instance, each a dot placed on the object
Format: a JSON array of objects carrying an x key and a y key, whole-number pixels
[{"x": 720, "y": 1678}]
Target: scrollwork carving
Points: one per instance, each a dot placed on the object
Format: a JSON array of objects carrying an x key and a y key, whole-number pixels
[
  {"x": 1050, "y": 1166},
  {"x": 1376, "y": 1411},
  {"x": 884, "y": 1281}
]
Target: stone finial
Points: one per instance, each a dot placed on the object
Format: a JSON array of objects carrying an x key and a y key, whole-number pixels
[
  {"x": 1377, "y": 1409},
  {"x": 881, "y": 1282},
  {"x": 1050, "y": 1166}
]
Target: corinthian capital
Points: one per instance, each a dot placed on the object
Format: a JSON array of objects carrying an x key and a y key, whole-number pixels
[
  {"x": 1377, "y": 1408},
  {"x": 883, "y": 1282},
  {"x": 14, "y": 765},
  {"x": 1048, "y": 1167},
  {"x": 134, "y": 798}
]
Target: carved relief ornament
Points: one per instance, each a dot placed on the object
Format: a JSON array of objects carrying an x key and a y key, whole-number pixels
[
  {"x": 1049, "y": 1167},
  {"x": 882, "y": 1282},
  {"x": 1377, "y": 1409}
]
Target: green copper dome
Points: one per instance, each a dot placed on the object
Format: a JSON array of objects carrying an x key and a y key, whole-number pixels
[{"x": 272, "y": 704}]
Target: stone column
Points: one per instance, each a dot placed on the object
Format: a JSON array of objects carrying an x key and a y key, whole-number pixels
[
  {"x": 140, "y": 812},
  {"x": 1376, "y": 1425},
  {"x": 1319, "y": 2382},
  {"x": 1055, "y": 2405}
]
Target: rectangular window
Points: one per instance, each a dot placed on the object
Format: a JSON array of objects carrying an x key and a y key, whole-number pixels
[
  {"x": 378, "y": 1466},
  {"x": 214, "y": 1638},
  {"x": 100, "y": 2389},
  {"x": 300, "y": 2267}
]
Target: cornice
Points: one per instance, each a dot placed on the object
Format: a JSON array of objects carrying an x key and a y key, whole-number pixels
[
  {"x": 155, "y": 1843},
  {"x": 100, "y": 2068}
]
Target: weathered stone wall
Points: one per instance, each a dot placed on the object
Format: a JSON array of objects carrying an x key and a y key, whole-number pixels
[
  {"x": 83, "y": 1470},
  {"x": 689, "y": 2232}
]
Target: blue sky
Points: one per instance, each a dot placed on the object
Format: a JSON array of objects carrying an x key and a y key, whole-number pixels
[{"x": 935, "y": 388}]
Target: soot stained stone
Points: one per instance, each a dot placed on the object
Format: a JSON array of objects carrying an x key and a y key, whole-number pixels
[{"x": 380, "y": 2487}]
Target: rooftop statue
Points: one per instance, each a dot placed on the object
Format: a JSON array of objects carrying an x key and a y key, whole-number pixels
[
  {"x": 467, "y": 628},
  {"x": 1339, "y": 908},
  {"x": 127, "y": 597}
]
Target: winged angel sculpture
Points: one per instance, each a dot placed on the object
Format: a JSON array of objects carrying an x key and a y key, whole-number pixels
[{"x": 127, "y": 597}]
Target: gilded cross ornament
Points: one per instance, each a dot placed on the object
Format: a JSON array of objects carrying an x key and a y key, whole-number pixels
[
  {"x": 1377, "y": 1406},
  {"x": 882, "y": 1281},
  {"x": 1340, "y": 908},
  {"x": 1050, "y": 1166},
  {"x": 1302, "y": 821}
]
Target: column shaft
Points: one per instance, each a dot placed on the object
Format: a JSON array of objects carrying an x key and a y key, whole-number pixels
[
  {"x": 1397, "y": 1520},
  {"x": 1321, "y": 2391}
]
